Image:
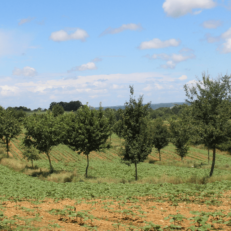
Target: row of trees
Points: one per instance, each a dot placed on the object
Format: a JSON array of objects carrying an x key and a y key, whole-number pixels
[{"x": 205, "y": 121}]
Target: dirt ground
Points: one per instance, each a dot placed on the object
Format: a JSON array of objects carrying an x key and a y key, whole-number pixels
[{"x": 113, "y": 215}]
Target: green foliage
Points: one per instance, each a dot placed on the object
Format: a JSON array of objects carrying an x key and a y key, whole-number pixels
[
  {"x": 57, "y": 110},
  {"x": 210, "y": 111},
  {"x": 160, "y": 135},
  {"x": 9, "y": 127},
  {"x": 44, "y": 132},
  {"x": 180, "y": 137},
  {"x": 136, "y": 132},
  {"x": 30, "y": 154},
  {"x": 89, "y": 131}
]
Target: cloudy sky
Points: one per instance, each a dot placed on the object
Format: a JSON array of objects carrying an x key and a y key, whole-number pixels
[{"x": 92, "y": 50}]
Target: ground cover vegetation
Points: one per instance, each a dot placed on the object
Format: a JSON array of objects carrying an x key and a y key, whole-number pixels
[{"x": 179, "y": 191}]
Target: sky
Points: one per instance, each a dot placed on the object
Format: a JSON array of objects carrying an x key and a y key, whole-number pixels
[{"x": 93, "y": 50}]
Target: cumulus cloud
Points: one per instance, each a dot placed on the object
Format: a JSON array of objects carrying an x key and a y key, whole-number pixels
[
  {"x": 84, "y": 67},
  {"x": 124, "y": 27},
  {"x": 171, "y": 60},
  {"x": 25, "y": 20},
  {"x": 157, "y": 43},
  {"x": 26, "y": 71},
  {"x": 211, "y": 24},
  {"x": 183, "y": 77},
  {"x": 177, "y": 8},
  {"x": 62, "y": 35}
]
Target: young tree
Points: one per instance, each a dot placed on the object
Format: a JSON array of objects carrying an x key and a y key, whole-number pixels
[
  {"x": 180, "y": 137},
  {"x": 44, "y": 132},
  {"x": 88, "y": 132},
  {"x": 160, "y": 135},
  {"x": 137, "y": 134},
  {"x": 210, "y": 102},
  {"x": 57, "y": 110},
  {"x": 9, "y": 127},
  {"x": 31, "y": 154}
]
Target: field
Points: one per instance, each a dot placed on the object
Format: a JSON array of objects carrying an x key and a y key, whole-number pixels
[{"x": 169, "y": 195}]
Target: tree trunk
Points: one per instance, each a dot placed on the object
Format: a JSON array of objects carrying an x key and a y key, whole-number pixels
[
  {"x": 208, "y": 156},
  {"x": 87, "y": 165},
  {"x": 32, "y": 163},
  {"x": 7, "y": 146},
  {"x": 159, "y": 155},
  {"x": 136, "y": 176},
  {"x": 213, "y": 163},
  {"x": 182, "y": 158},
  {"x": 51, "y": 167}
]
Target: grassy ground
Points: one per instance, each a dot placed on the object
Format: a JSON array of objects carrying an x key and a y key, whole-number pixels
[{"x": 170, "y": 194}]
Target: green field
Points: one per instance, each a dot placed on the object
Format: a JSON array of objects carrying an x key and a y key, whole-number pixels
[{"x": 168, "y": 183}]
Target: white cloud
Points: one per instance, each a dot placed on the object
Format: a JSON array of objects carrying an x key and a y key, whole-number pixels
[
  {"x": 130, "y": 26},
  {"x": 61, "y": 35},
  {"x": 226, "y": 46},
  {"x": 26, "y": 71},
  {"x": 211, "y": 24},
  {"x": 25, "y": 20},
  {"x": 227, "y": 34},
  {"x": 173, "y": 59},
  {"x": 177, "y": 8},
  {"x": 169, "y": 64},
  {"x": 81, "y": 84},
  {"x": 148, "y": 88},
  {"x": 84, "y": 67},
  {"x": 115, "y": 86},
  {"x": 157, "y": 43},
  {"x": 183, "y": 77},
  {"x": 8, "y": 90}
]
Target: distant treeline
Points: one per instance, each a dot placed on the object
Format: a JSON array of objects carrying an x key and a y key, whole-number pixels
[
  {"x": 164, "y": 110},
  {"x": 71, "y": 106}
]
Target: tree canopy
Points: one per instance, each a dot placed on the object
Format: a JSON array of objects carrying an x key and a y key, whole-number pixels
[
  {"x": 137, "y": 133},
  {"x": 210, "y": 111}
]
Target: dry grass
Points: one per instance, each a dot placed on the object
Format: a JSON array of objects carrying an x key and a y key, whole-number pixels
[{"x": 13, "y": 163}]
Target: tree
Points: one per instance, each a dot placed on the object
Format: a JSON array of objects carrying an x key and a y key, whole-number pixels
[
  {"x": 136, "y": 132},
  {"x": 180, "y": 137},
  {"x": 160, "y": 135},
  {"x": 31, "y": 154},
  {"x": 44, "y": 132},
  {"x": 9, "y": 127},
  {"x": 210, "y": 102},
  {"x": 57, "y": 110},
  {"x": 88, "y": 132},
  {"x": 111, "y": 120}
]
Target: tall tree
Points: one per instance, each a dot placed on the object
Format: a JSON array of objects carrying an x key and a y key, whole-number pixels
[
  {"x": 88, "y": 132},
  {"x": 210, "y": 102},
  {"x": 137, "y": 135},
  {"x": 9, "y": 127},
  {"x": 44, "y": 132},
  {"x": 160, "y": 135}
]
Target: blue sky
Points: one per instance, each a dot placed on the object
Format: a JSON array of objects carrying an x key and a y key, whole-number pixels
[{"x": 91, "y": 51}]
